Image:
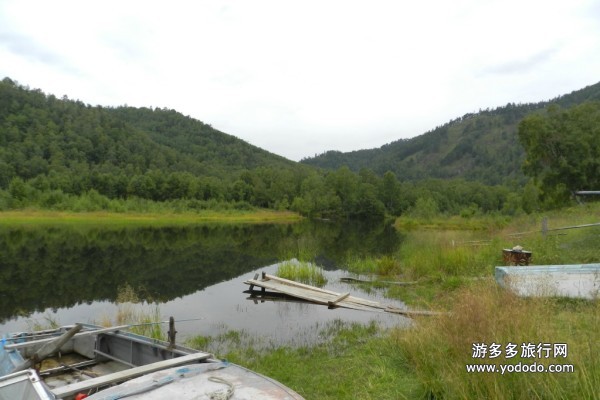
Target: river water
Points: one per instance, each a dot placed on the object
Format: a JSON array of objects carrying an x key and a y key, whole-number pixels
[{"x": 195, "y": 274}]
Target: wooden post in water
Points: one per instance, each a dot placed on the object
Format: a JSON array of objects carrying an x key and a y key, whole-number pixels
[
  {"x": 172, "y": 332},
  {"x": 255, "y": 278}
]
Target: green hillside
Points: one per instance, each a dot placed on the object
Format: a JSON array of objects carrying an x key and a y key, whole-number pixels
[
  {"x": 49, "y": 130},
  {"x": 151, "y": 153},
  {"x": 61, "y": 154},
  {"x": 481, "y": 147}
]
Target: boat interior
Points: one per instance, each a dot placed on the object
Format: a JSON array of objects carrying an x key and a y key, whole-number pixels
[{"x": 86, "y": 358}]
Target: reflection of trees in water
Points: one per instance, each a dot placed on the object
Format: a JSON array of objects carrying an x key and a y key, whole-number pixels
[{"x": 53, "y": 267}]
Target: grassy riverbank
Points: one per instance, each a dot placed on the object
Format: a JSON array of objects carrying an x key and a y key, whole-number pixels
[
  {"x": 45, "y": 217},
  {"x": 454, "y": 268}
]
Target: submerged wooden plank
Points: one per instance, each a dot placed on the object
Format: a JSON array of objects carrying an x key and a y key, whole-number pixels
[
  {"x": 307, "y": 295},
  {"x": 349, "y": 299},
  {"x": 327, "y": 297},
  {"x": 285, "y": 285},
  {"x": 297, "y": 284},
  {"x": 413, "y": 313},
  {"x": 299, "y": 292}
]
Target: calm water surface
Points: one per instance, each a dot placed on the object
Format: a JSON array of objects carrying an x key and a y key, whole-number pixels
[{"x": 194, "y": 274}]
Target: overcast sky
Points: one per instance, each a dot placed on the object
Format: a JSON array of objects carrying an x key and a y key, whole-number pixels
[{"x": 298, "y": 78}]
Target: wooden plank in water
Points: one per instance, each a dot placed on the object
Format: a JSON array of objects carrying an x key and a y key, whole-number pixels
[
  {"x": 297, "y": 284},
  {"x": 312, "y": 290},
  {"x": 327, "y": 297},
  {"x": 413, "y": 313},
  {"x": 338, "y": 299},
  {"x": 319, "y": 296},
  {"x": 350, "y": 299},
  {"x": 309, "y": 295}
]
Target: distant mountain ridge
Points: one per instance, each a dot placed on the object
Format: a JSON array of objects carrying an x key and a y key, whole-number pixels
[
  {"x": 479, "y": 146},
  {"x": 75, "y": 147}
]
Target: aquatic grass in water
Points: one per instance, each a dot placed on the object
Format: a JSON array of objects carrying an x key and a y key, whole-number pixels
[
  {"x": 354, "y": 362},
  {"x": 383, "y": 266},
  {"x": 302, "y": 271},
  {"x": 50, "y": 322},
  {"x": 145, "y": 318},
  {"x": 229, "y": 341},
  {"x": 362, "y": 265}
]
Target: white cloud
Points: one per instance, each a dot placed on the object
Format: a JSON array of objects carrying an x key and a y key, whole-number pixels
[{"x": 299, "y": 78}]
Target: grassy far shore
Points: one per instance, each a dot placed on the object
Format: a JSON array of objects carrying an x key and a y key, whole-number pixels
[
  {"x": 454, "y": 269},
  {"x": 42, "y": 217}
]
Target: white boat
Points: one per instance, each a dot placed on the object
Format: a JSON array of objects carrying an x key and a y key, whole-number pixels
[
  {"x": 91, "y": 362},
  {"x": 577, "y": 281}
]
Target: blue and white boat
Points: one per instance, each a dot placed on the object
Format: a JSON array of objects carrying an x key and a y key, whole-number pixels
[{"x": 87, "y": 361}]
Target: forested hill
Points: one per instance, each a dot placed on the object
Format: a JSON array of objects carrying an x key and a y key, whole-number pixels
[
  {"x": 481, "y": 146},
  {"x": 42, "y": 135}
]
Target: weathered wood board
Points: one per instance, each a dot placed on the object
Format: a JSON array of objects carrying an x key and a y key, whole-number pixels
[{"x": 327, "y": 297}]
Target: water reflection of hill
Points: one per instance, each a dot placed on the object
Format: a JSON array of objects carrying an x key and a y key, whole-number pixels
[{"x": 54, "y": 267}]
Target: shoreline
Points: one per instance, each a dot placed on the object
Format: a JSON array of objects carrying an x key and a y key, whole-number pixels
[{"x": 50, "y": 217}]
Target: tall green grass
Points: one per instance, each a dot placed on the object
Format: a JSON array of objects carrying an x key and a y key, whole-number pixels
[
  {"x": 385, "y": 266},
  {"x": 434, "y": 254},
  {"x": 302, "y": 271},
  {"x": 439, "y": 349}
]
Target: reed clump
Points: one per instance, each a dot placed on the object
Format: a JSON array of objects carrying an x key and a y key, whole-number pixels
[
  {"x": 385, "y": 266},
  {"x": 432, "y": 254},
  {"x": 302, "y": 271},
  {"x": 144, "y": 317},
  {"x": 49, "y": 322}
]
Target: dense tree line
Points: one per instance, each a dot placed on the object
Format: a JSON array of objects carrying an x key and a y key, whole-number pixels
[
  {"x": 335, "y": 194},
  {"x": 64, "y": 154},
  {"x": 563, "y": 150}
]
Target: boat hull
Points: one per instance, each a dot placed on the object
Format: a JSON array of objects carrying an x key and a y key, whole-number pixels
[
  {"x": 112, "y": 363},
  {"x": 575, "y": 281}
]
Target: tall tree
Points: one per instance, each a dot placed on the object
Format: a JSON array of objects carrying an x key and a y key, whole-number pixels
[{"x": 563, "y": 148}]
